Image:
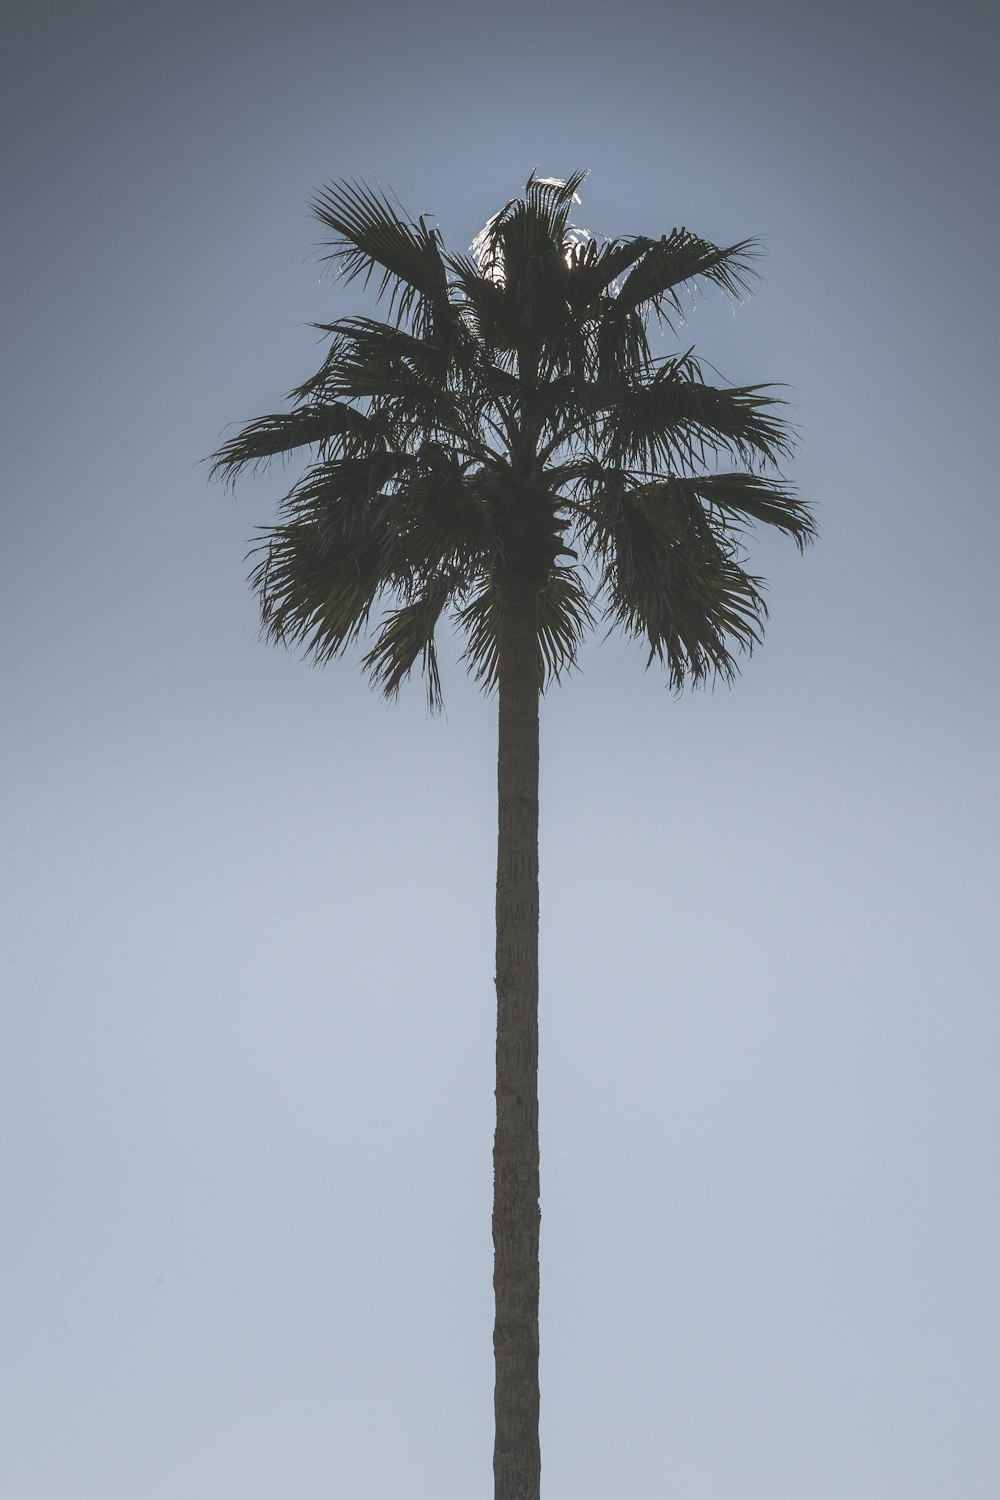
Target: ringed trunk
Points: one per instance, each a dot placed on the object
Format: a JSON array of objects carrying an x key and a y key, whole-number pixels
[{"x": 516, "y": 1214}]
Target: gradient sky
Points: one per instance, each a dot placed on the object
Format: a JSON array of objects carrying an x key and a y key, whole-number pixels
[{"x": 246, "y": 1073}]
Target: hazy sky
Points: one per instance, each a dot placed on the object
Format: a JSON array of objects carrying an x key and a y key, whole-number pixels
[{"x": 246, "y": 1071}]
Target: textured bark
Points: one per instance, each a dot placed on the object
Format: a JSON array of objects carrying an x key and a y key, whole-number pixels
[{"x": 516, "y": 1215}]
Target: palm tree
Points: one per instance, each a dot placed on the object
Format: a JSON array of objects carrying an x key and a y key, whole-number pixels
[{"x": 506, "y": 451}]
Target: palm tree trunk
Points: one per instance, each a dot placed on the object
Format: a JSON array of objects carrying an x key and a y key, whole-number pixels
[{"x": 516, "y": 1215}]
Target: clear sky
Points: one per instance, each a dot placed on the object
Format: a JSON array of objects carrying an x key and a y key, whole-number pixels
[{"x": 246, "y": 1068}]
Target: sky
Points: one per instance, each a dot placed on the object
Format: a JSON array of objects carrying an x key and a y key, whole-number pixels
[{"x": 246, "y": 1074}]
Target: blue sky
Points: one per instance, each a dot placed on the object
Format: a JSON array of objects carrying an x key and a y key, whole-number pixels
[{"x": 247, "y": 1069}]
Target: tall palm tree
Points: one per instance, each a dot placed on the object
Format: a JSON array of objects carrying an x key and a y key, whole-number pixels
[{"x": 504, "y": 449}]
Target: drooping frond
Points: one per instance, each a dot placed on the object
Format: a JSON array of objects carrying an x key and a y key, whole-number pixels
[
  {"x": 669, "y": 578},
  {"x": 565, "y": 616},
  {"x": 317, "y": 592},
  {"x": 406, "y": 636},
  {"x": 479, "y": 620}
]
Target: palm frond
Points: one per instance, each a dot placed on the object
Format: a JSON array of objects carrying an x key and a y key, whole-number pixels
[
  {"x": 347, "y": 495},
  {"x": 565, "y": 615},
  {"x": 443, "y": 513},
  {"x": 527, "y": 229},
  {"x": 621, "y": 346},
  {"x": 479, "y": 619},
  {"x": 371, "y": 237},
  {"x": 594, "y": 268},
  {"x": 405, "y": 399},
  {"x": 739, "y": 499},
  {"x": 317, "y": 593},
  {"x": 682, "y": 591},
  {"x": 676, "y": 420},
  {"x": 679, "y": 258},
  {"x": 484, "y": 306},
  {"x": 368, "y": 339},
  {"x": 406, "y": 636},
  {"x": 300, "y": 428}
]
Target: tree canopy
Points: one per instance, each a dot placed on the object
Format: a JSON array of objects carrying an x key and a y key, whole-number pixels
[{"x": 508, "y": 414}]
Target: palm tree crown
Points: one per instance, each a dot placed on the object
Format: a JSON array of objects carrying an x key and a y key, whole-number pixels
[{"x": 509, "y": 417}]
